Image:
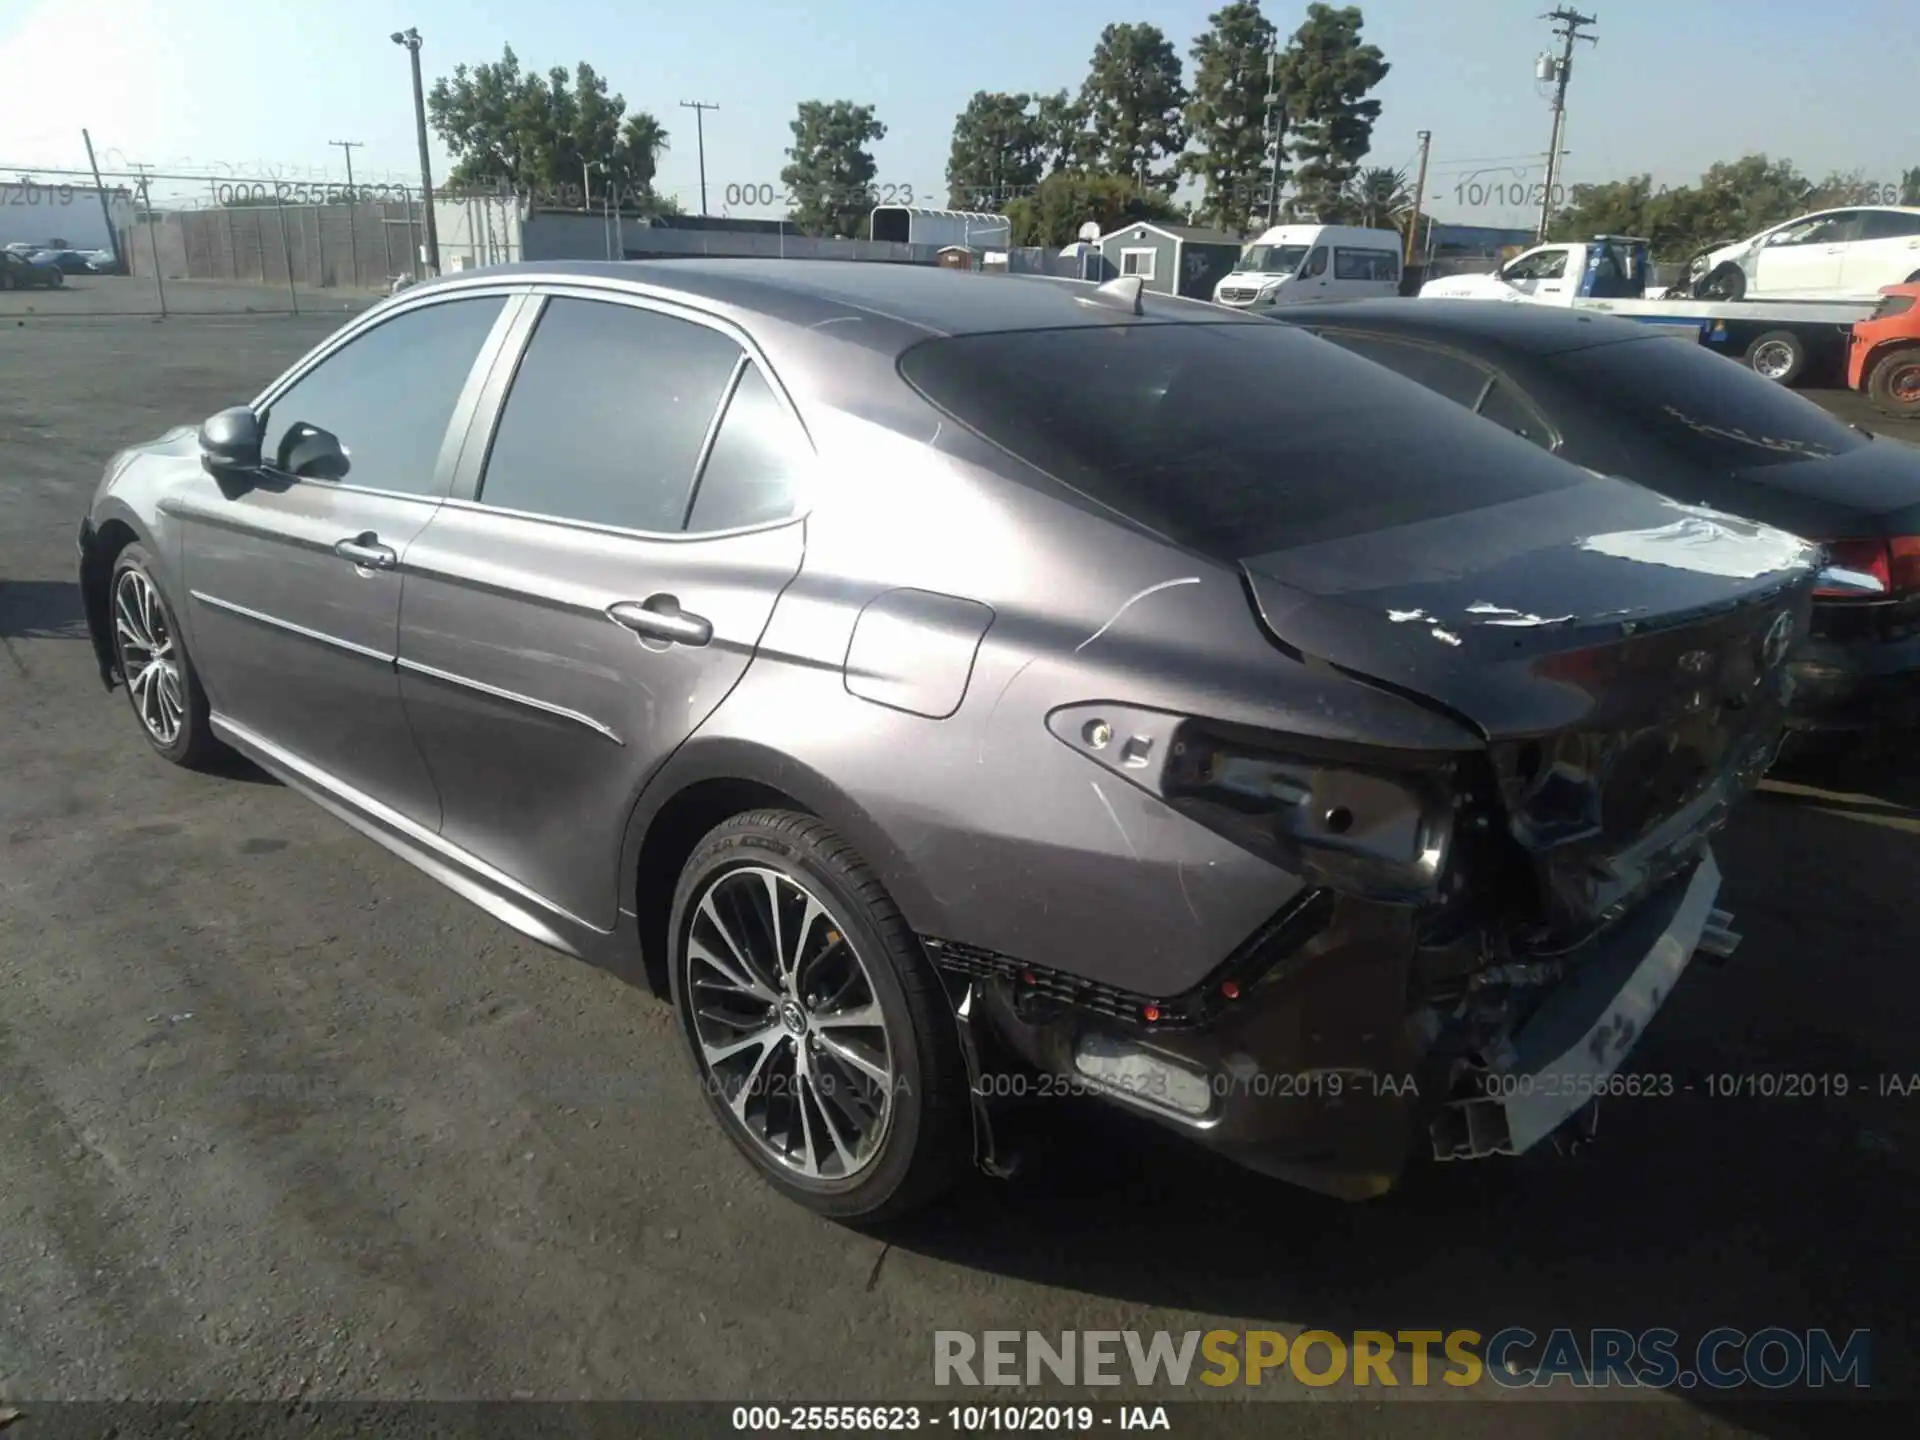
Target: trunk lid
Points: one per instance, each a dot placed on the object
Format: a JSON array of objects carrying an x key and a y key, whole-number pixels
[{"x": 1621, "y": 653}]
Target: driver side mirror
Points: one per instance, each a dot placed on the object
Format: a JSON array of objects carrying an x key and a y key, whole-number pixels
[{"x": 230, "y": 443}]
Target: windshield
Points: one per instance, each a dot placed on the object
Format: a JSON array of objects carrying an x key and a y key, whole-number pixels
[
  {"x": 1709, "y": 408},
  {"x": 1234, "y": 440},
  {"x": 1272, "y": 259}
]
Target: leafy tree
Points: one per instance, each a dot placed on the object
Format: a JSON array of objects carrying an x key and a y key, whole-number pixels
[
  {"x": 1910, "y": 187},
  {"x": 1065, "y": 141},
  {"x": 1134, "y": 99},
  {"x": 1326, "y": 73},
  {"x": 1380, "y": 197},
  {"x": 998, "y": 151},
  {"x": 527, "y": 132},
  {"x": 831, "y": 170},
  {"x": 1227, "y": 116},
  {"x": 1731, "y": 200},
  {"x": 1053, "y": 214}
]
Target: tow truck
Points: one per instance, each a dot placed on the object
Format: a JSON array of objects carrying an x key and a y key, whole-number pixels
[{"x": 1779, "y": 339}]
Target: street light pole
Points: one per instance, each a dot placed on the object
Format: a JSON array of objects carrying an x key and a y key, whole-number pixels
[{"x": 410, "y": 38}]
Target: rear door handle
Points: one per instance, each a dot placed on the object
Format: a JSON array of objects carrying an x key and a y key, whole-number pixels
[
  {"x": 659, "y": 617},
  {"x": 366, "y": 551}
]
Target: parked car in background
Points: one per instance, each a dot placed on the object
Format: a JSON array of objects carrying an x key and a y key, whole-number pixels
[
  {"x": 102, "y": 262},
  {"x": 946, "y": 675},
  {"x": 1884, "y": 358},
  {"x": 68, "y": 262},
  {"x": 1618, "y": 399},
  {"x": 1300, "y": 264},
  {"x": 18, "y": 273},
  {"x": 1844, "y": 254}
]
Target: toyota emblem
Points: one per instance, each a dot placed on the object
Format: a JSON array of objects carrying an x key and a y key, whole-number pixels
[{"x": 1773, "y": 649}]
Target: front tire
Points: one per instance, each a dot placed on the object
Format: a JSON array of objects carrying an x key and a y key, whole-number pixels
[
  {"x": 1727, "y": 282},
  {"x": 818, "y": 1028},
  {"x": 1894, "y": 383},
  {"x": 162, "y": 685}
]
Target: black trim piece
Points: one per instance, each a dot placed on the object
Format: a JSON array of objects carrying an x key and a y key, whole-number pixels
[{"x": 1252, "y": 961}]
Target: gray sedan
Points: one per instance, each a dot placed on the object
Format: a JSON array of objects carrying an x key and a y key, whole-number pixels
[{"x": 952, "y": 688}]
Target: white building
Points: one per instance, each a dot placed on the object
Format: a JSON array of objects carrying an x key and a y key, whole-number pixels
[{"x": 61, "y": 215}]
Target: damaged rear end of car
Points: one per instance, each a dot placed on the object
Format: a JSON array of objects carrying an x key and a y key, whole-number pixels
[{"x": 1471, "y": 941}]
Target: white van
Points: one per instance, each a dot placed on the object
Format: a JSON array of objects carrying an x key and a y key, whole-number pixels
[{"x": 1297, "y": 264}]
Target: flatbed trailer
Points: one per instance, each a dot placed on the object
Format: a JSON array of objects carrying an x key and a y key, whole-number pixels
[{"x": 1780, "y": 339}]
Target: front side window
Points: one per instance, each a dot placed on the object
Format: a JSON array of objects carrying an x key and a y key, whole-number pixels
[
  {"x": 608, "y": 413},
  {"x": 1271, "y": 259},
  {"x": 386, "y": 396},
  {"x": 1820, "y": 230},
  {"x": 1316, "y": 263}
]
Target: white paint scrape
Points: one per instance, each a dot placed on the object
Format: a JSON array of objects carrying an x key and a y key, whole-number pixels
[{"x": 1707, "y": 543}]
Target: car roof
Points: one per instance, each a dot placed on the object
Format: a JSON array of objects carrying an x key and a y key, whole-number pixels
[
  {"x": 1477, "y": 324},
  {"x": 916, "y": 301}
]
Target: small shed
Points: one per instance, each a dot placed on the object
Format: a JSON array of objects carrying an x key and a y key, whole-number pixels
[
  {"x": 1173, "y": 259},
  {"x": 959, "y": 257}
]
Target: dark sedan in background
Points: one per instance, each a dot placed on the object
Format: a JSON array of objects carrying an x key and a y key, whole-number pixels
[
  {"x": 1627, "y": 399},
  {"x": 17, "y": 272},
  {"x": 899, "y": 666}
]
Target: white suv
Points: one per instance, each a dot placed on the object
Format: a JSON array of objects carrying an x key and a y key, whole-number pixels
[{"x": 1830, "y": 254}]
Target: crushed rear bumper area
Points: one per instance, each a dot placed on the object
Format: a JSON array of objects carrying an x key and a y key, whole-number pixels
[{"x": 1325, "y": 1073}]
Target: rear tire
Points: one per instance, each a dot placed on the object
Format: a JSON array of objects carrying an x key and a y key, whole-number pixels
[
  {"x": 1894, "y": 383},
  {"x": 1726, "y": 282},
  {"x": 1779, "y": 356},
  {"x": 824, "y": 1042},
  {"x": 162, "y": 685}
]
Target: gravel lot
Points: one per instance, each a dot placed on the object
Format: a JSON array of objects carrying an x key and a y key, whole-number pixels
[{"x": 279, "y": 1116}]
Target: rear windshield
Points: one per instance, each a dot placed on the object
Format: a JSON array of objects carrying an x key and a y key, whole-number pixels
[
  {"x": 1707, "y": 407},
  {"x": 1235, "y": 440}
]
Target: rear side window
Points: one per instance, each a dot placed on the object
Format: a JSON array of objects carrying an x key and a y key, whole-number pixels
[
  {"x": 1365, "y": 264},
  {"x": 607, "y": 416},
  {"x": 1235, "y": 440},
  {"x": 753, "y": 472},
  {"x": 1889, "y": 225},
  {"x": 1504, "y": 407},
  {"x": 1707, "y": 408},
  {"x": 1441, "y": 371}
]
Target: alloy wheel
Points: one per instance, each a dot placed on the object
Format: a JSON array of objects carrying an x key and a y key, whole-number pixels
[
  {"x": 149, "y": 656},
  {"x": 787, "y": 1024},
  {"x": 1773, "y": 360}
]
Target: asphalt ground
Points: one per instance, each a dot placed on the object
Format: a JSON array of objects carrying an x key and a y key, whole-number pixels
[{"x": 281, "y": 1117}]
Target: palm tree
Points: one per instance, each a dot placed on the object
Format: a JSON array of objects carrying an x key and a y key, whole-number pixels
[{"x": 1380, "y": 197}]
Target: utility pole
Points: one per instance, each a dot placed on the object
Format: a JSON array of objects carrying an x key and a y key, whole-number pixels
[
  {"x": 410, "y": 38},
  {"x": 120, "y": 261},
  {"x": 153, "y": 238},
  {"x": 699, "y": 109},
  {"x": 1568, "y": 25},
  {"x": 1276, "y": 132},
  {"x": 347, "y": 147},
  {"x": 1419, "y": 194}
]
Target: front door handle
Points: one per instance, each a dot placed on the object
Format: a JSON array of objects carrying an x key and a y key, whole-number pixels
[
  {"x": 366, "y": 551},
  {"x": 659, "y": 617}
]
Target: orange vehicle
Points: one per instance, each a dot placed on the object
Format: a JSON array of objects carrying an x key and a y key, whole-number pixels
[{"x": 1884, "y": 358}]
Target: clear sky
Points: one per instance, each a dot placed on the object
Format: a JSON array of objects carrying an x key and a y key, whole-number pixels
[{"x": 1672, "y": 86}]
